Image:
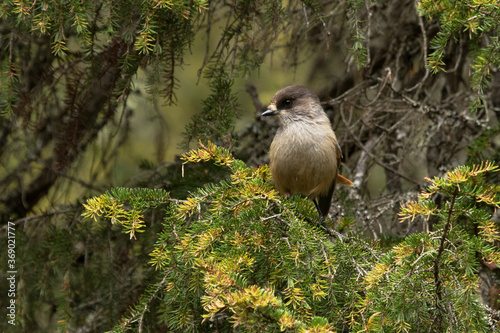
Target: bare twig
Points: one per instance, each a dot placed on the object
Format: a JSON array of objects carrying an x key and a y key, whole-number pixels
[
  {"x": 375, "y": 158},
  {"x": 252, "y": 91},
  {"x": 368, "y": 5},
  {"x": 147, "y": 305},
  {"x": 37, "y": 217},
  {"x": 353, "y": 91},
  {"x": 361, "y": 167},
  {"x": 418, "y": 86},
  {"x": 437, "y": 279},
  {"x": 382, "y": 86},
  {"x": 263, "y": 219}
]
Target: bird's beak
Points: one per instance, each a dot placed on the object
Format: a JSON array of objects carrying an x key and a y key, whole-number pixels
[{"x": 271, "y": 111}]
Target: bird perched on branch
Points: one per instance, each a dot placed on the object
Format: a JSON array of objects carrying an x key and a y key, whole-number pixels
[{"x": 305, "y": 155}]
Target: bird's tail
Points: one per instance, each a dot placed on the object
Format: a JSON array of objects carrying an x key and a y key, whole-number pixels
[{"x": 343, "y": 181}]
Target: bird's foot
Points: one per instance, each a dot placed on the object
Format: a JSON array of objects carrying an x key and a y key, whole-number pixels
[{"x": 328, "y": 230}]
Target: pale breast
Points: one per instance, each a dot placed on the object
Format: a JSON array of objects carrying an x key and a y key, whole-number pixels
[{"x": 304, "y": 160}]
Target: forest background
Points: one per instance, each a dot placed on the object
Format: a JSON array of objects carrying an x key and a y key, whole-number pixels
[{"x": 135, "y": 193}]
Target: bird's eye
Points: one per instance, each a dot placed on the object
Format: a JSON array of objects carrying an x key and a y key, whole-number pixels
[{"x": 286, "y": 103}]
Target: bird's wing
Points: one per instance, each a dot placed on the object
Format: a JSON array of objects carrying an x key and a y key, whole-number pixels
[
  {"x": 339, "y": 155},
  {"x": 341, "y": 179}
]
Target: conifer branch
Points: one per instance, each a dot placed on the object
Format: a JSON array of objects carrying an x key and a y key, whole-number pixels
[{"x": 437, "y": 261}]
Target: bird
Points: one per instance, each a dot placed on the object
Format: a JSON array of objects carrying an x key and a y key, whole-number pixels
[{"x": 304, "y": 154}]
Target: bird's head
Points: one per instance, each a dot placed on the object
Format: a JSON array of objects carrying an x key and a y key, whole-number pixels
[{"x": 294, "y": 103}]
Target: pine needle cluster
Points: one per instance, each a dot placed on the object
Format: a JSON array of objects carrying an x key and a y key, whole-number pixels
[
  {"x": 479, "y": 20},
  {"x": 428, "y": 282},
  {"x": 125, "y": 206},
  {"x": 233, "y": 255},
  {"x": 236, "y": 256}
]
